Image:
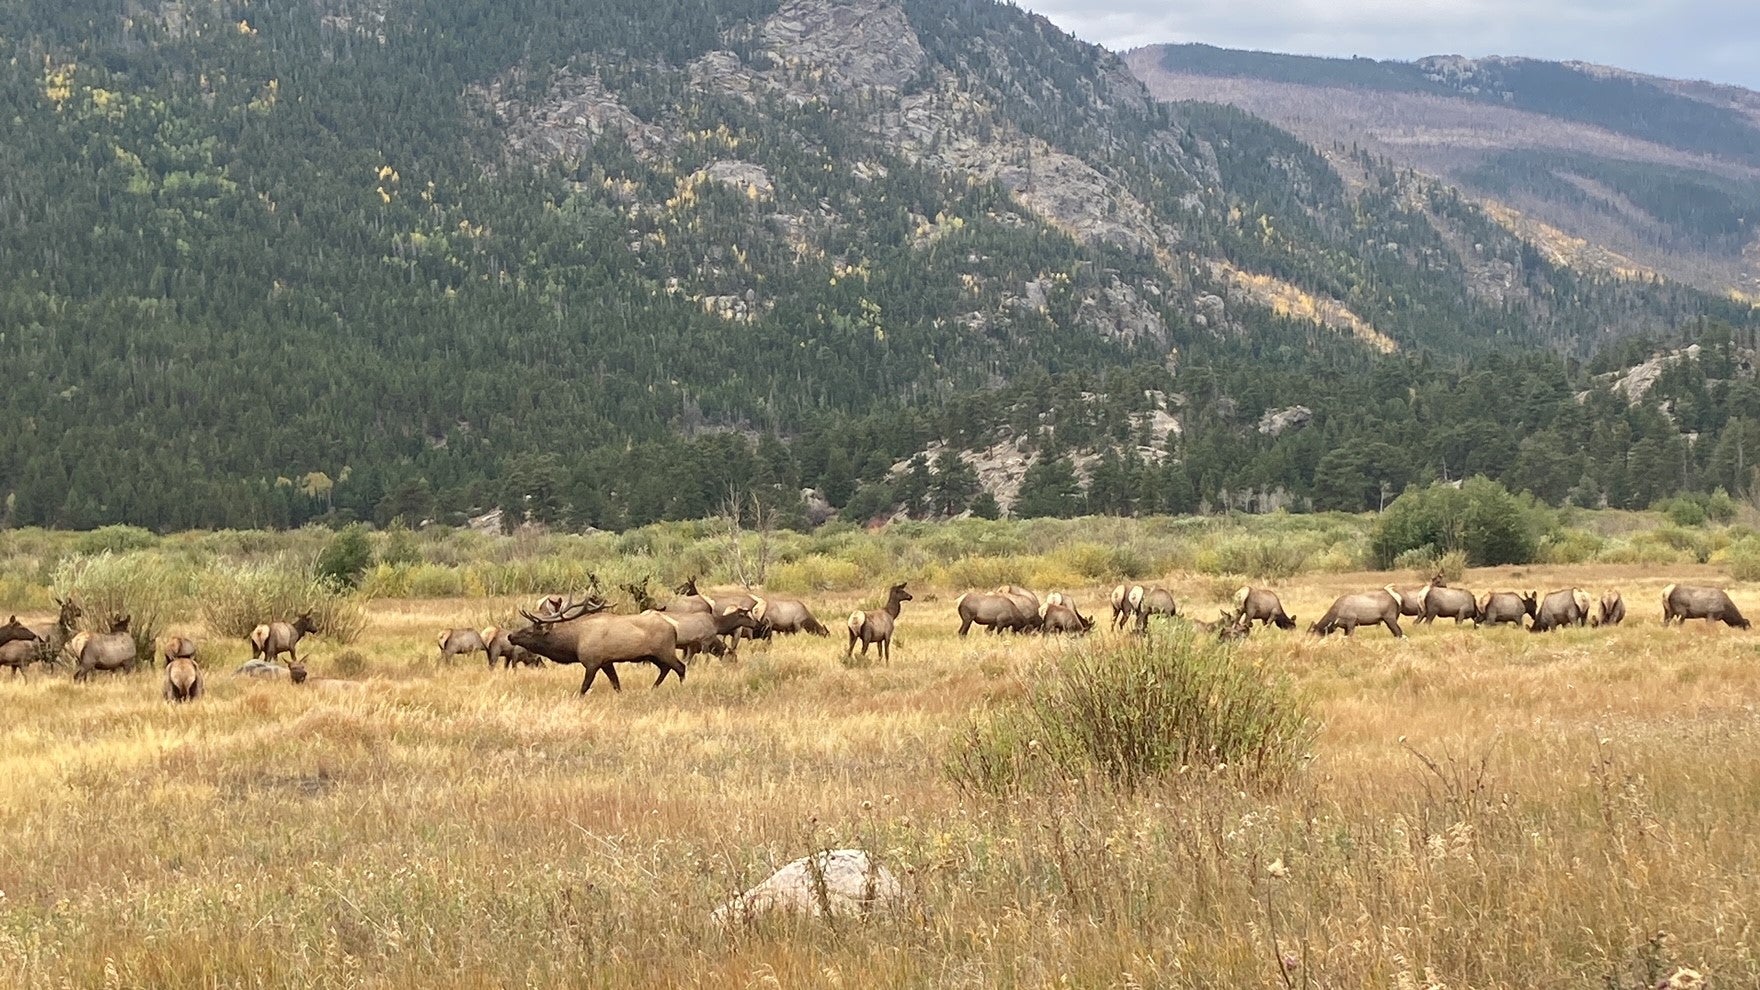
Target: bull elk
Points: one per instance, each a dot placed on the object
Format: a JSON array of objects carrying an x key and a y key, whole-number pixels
[
  {"x": 114, "y": 650},
  {"x": 876, "y": 627},
  {"x": 1682, "y": 602},
  {"x": 581, "y": 633},
  {"x": 1262, "y": 605},
  {"x": 270, "y": 640},
  {"x": 1371, "y": 608}
]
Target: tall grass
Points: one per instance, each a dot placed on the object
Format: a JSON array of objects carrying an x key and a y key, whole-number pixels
[
  {"x": 145, "y": 587},
  {"x": 1138, "y": 713},
  {"x": 235, "y": 599}
]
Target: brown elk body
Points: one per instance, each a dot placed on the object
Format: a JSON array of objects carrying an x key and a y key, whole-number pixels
[
  {"x": 787, "y": 616},
  {"x": 1613, "y": 609},
  {"x": 1682, "y": 602},
  {"x": 994, "y": 612},
  {"x": 114, "y": 650},
  {"x": 1032, "y": 613},
  {"x": 497, "y": 647},
  {"x": 454, "y": 642},
  {"x": 177, "y": 648},
  {"x": 1500, "y": 607},
  {"x": 1564, "y": 607},
  {"x": 699, "y": 632},
  {"x": 599, "y": 642},
  {"x": 1124, "y": 604},
  {"x": 18, "y": 645},
  {"x": 54, "y": 639},
  {"x": 689, "y": 600},
  {"x": 183, "y": 679},
  {"x": 1364, "y": 609},
  {"x": 876, "y": 627},
  {"x": 1442, "y": 602},
  {"x": 1064, "y": 617},
  {"x": 1262, "y": 605},
  {"x": 270, "y": 640},
  {"x": 1154, "y": 601},
  {"x": 1227, "y": 626}
]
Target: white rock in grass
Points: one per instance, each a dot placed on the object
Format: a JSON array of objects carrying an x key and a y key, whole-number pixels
[{"x": 852, "y": 884}]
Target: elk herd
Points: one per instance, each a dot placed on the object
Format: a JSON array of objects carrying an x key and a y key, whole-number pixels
[{"x": 668, "y": 636}]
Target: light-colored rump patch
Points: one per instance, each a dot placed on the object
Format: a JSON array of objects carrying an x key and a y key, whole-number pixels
[
  {"x": 1485, "y": 601},
  {"x": 1584, "y": 602},
  {"x": 1118, "y": 594},
  {"x": 857, "y": 620},
  {"x": 1135, "y": 596},
  {"x": 759, "y": 607},
  {"x": 1240, "y": 597},
  {"x": 961, "y": 600},
  {"x": 1399, "y": 600}
]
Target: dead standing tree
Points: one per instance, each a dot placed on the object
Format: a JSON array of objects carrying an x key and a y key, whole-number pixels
[{"x": 750, "y": 564}]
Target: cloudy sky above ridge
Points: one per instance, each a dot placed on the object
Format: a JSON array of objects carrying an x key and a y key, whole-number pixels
[{"x": 1717, "y": 40}]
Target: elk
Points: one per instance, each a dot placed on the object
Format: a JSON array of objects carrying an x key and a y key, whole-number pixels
[
  {"x": 699, "y": 632},
  {"x": 18, "y": 645},
  {"x": 497, "y": 647},
  {"x": 689, "y": 600},
  {"x": 178, "y": 648},
  {"x": 992, "y": 611},
  {"x": 1262, "y": 605},
  {"x": 1411, "y": 600},
  {"x": 183, "y": 679},
  {"x": 876, "y": 627},
  {"x": 1565, "y": 607},
  {"x": 1028, "y": 605},
  {"x": 271, "y": 640},
  {"x": 1507, "y": 606},
  {"x": 579, "y": 633},
  {"x": 1682, "y": 602},
  {"x": 1227, "y": 626},
  {"x": 456, "y": 641},
  {"x": 1365, "y": 609},
  {"x": 53, "y": 638},
  {"x": 786, "y": 616},
  {"x": 1064, "y": 617},
  {"x": 114, "y": 650},
  {"x": 1154, "y": 601},
  {"x": 1124, "y": 604},
  {"x": 1613, "y": 609},
  {"x": 1443, "y": 602}
]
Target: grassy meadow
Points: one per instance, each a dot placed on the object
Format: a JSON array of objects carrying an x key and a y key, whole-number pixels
[{"x": 1478, "y": 809}]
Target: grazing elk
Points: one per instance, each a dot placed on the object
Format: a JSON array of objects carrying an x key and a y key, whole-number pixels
[
  {"x": 177, "y": 648},
  {"x": 1153, "y": 601},
  {"x": 114, "y": 650},
  {"x": 1262, "y": 605},
  {"x": 1565, "y": 607},
  {"x": 786, "y": 616},
  {"x": 1443, "y": 602},
  {"x": 1124, "y": 604},
  {"x": 496, "y": 645},
  {"x": 876, "y": 627},
  {"x": 183, "y": 679},
  {"x": 699, "y": 632},
  {"x": 1028, "y": 604},
  {"x": 270, "y": 640},
  {"x": 993, "y": 611},
  {"x": 1365, "y": 609},
  {"x": 462, "y": 641},
  {"x": 1613, "y": 609},
  {"x": 1500, "y": 607},
  {"x": 1682, "y": 602},
  {"x": 581, "y": 633},
  {"x": 1063, "y": 617}
]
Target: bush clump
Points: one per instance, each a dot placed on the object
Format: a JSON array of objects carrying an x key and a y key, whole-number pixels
[
  {"x": 1139, "y": 714},
  {"x": 145, "y": 587},
  {"x": 346, "y": 557},
  {"x": 236, "y": 599},
  {"x": 1480, "y": 519}
]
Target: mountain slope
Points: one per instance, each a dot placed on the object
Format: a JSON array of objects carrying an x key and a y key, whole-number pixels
[
  {"x": 603, "y": 262},
  {"x": 1604, "y": 168}
]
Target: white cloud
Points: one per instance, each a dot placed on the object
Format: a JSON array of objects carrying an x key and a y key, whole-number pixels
[{"x": 1693, "y": 39}]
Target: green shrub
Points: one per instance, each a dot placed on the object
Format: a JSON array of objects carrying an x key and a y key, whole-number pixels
[
  {"x": 114, "y": 539},
  {"x": 1480, "y": 518},
  {"x": 346, "y": 557},
  {"x": 1138, "y": 714},
  {"x": 1573, "y": 546},
  {"x": 816, "y": 573},
  {"x": 400, "y": 546},
  {"x": 1742, "y": 559},
  {"x": 145, "y": 587},
  {"x": 235, "y": 599}
]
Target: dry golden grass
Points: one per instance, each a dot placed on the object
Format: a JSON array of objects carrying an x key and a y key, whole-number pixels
[{"x": 1587, "y": 820}]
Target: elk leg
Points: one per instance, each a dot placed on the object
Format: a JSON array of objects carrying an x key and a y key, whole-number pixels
[
  {"x": 964, "y": 626},
  {"x": 1393, "y": 627}
]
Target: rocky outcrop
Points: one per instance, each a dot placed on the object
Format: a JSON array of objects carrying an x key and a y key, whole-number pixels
[
  {"x": 1276, "y": 421},
  {"x": 839, "y": 883},
  {"x": 576, "y": 113}
]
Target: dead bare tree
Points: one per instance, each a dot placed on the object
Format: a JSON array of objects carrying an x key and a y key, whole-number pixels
[{"x": 750, "y": 564}]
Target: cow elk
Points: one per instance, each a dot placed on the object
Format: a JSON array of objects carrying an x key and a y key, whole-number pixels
[
  {"x": 454, "y": 642},
  {"x": 1500, "y": 607},
  {"x": 183, "y": 679},
  {"x": 1262, "y": 605},
  {"x": 1565, "y": 607},
  {"x": 114, "y": 650},
  {"x": 1613, "y": 609},
  {"x": 1682, "y": 602},
  {"x": 876, "y": 627},
  {"x": 995, "y": 612},
  {"x": 1364, "y": 609},
  {"x": 1124, "y": 604},
  {"x": 270, "y": 640},
  {"x": 1064, "y": 617},
  {"x": 1153, "y": 601},
  {"x": 1443, "y": 602}
]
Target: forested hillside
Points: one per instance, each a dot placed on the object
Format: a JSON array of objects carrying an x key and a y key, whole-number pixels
[{"x": 599, "y": 263}]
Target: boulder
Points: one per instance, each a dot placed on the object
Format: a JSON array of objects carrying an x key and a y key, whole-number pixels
[
  {"x": 852, "y": 884},
  {"x": 261, "y": 668}
]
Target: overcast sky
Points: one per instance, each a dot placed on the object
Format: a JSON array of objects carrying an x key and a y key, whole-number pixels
[{"x": 1717, "y": 40}]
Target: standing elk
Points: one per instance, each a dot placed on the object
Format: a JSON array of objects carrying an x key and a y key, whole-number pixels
[
  {"x": 114, "y": 650},
  {"x": 1262, "y": 605},
  {"x": 689, "y": 600},
  {"x": 786, "y": 616},
  {"x": 876, "y": 627},
  {"x": 1124, "y": 604},
  {"x": 699, "y": 632},
  {"x": 1681, "y": 602},
  {"x": 454, "y": 642},
  {"x": 497, "y": 647},
  {"x": 183, "y": 679},
  {"x": 995, "y": 612},
  {"x": 1443, "y": 602},
  {"x": 1565, "y": 607},
  {"x": 1027, "y": 603},
  {"x": 1365, "y": 609},
  {"x": 272, "y": 639},
  {"x": 177, "y": 648},
  {"x": 1613, "y": 609},
  {"x": 581, "y": 633},
  {"x": 18, "y": 645},
  {"x": 1499, "y": 607},
  {"x": 54, "y": 638},
  {"x": 1153, "y": 601}
]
